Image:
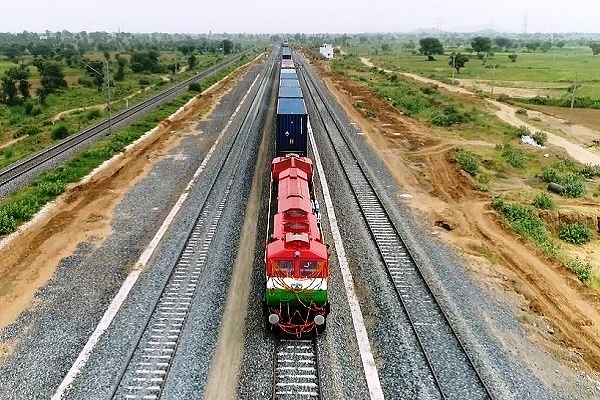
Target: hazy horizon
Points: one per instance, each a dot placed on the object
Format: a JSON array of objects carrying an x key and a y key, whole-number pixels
[{"x": 308, "y": 16}]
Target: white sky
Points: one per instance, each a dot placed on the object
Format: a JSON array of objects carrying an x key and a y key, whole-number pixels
[{"x": 304, "y": 16}]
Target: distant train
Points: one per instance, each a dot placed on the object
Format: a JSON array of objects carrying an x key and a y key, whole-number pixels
[{"x": 296, "y": 256}]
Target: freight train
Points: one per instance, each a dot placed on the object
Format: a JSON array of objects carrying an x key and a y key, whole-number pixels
[{"x": 296, "y": 255}]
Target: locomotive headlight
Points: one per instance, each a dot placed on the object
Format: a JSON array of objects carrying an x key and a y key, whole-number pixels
[
  {"x": 273, "y": 319},
  {"x": 319, "y": 320}
]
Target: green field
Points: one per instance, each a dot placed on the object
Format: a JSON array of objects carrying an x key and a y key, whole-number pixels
[{"x": 556, "y": 69}]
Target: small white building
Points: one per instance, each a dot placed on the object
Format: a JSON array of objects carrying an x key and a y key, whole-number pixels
[{"x": 326, "y": 50}]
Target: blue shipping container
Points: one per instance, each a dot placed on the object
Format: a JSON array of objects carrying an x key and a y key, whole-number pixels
[
  {"x": 290, "y": 91},
  {"x": 292, "y": 126},
  {"x": 289, "y": 83},
  {"x": 288, "y": 76}
]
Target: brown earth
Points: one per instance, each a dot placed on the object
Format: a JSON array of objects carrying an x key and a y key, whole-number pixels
[{"x": 556, "y": 309}]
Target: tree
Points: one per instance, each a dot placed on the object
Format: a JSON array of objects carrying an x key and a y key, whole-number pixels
[
  {"x": 192, "y": 61},
  {"x": 532, "y": 45},
  {"x": 503, "y": 42},
  {"x": 481, "y": 44},
  {"x": 227, "y": 46},
  {"x": 545, "y": 46},
  {"x": 458, "y": 61},
  {"x": 95, "y": 69},
  {"x": 385, "y": 47},
  {"x": 9, "y": 90},
  {"x": 512, "y": 57},
  {"x": 595, "y": 46},
  {"x": 52, "y": 77},
  {"x": 430, "y": 47},
  {"x": 121, "y": 62},
  {"x": 409, "y": 46}
]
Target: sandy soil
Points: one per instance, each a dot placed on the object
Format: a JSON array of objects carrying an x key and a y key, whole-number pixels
[{"x": 557, "y": 310}]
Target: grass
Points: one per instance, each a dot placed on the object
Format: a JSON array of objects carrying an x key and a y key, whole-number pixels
[
  {"x": 23, "y": 204},
  {"x": 557, "y": 69}
]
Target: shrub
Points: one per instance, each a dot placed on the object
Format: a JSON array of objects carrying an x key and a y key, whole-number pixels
[
  {"x": 582, "y": 270},
  {"x": 514, "y": 157},
  {"x": 59, "y": 132},
  {"x": 574, "y": 186},
  {"x": 543, "y": 201},
  {"x": 522, "y": 131},
  {"x": 92, "y": 113},
  {"x": 549, "y": 174},
  {"x": 483, "y": 183},
  {"x": 521, "y": 111},
  {"x": 540, "y": 138},
  {"x": 466, "y": 161},
  {"x": 523, "y": 221},
  {"x": 195, "y": 87},
  {"x": 590, "y": 171},
  {"x": 575, "y": 233}
]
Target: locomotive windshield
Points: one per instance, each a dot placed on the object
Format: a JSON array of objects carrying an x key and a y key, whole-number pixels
[{"x": 283, "y": 267}]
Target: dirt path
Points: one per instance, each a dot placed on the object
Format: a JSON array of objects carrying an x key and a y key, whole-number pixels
[
  {"x": 556, "y": 309},
  {"x": 507, "y": 113}
]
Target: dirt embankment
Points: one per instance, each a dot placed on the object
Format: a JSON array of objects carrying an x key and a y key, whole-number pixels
[{"x": 556, "y": 308}]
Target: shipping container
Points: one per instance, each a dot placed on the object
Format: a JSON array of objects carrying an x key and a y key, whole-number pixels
[
  {"x": 289, "y": 75},
  {"x": 289, "y": 82},
  {"x": 287, "y": 64},
  {"x": 292, "y": 127},
  {"x": 286, "y": 53},
  {"x": 290, "y": 91}
]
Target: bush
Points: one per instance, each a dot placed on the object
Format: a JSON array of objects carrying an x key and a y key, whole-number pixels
[
  {"x": 59, "y": 132},
  {"x": 549, "y": 174},
  {"x": 466, "y": 161},
  {"x": 574, "y": 186},
  {"x": 583, "y": 271},
  {"x": 540, "y": 138},
  {"x": 521, "y": 111},
  {"x": 93, "y": 113},
  {"x": 590, "y": 171},
  {"x": 514, "y": 157},
  {"x": 195, "y": 87},
  {"x": 543, "y": 201},
  {"x": 575, "y": 233},
  {"x": 522, "y": 131},
  {"x": 523, "y": 221}
]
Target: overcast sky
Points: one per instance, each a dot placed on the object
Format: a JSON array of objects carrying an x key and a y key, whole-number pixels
[{"x": 306, "y": 16}]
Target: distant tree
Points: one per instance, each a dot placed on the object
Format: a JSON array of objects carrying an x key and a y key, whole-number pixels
[
  {"x": 595, "y": 46},
  {"x": 503, "y": 42},
  {"x": 458, "y": 61},
  {"x": 8, "y": 90},
  {"x": 52, "y": 77},
  {"x": 144, "y": 61},
  {"x": 481, "y": 44},
  {"x": 533, "y": 45},
  {"x": 430, "y": 47},
  {"x": 512, "y": 57},
  {"x": 95, "y": 70},
  {"x": 560, "y": 44},
  {"x": 227, "y": 46},
  {"x": 121, "y": 63},
  {"x": 192, "y": 61},
  {"x": 363, "y": 39},
  {"x": 409, "y": 46},
  {"x": 545, "y": 46},
  {"x": 385, "y": 47}
]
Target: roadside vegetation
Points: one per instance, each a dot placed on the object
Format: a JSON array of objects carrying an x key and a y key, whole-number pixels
[
  {"x": 554, "y": 180},
  {"x": 30, "y": 122}
]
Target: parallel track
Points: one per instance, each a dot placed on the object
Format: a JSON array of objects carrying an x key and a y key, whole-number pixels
[
  {"x": 150, "y": 360},
  {"x": 453, "y": 371},
  {"x": 296, "y": 370},
  {"x": 100, "y": 129}
]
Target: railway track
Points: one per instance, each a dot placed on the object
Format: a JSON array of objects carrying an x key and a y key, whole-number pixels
[
  {"x": 63, "y": 149},
  {"x": 454, "y": 373},
  {"x": 150, "y": 359},
  {"x": 296, "y": 370}
]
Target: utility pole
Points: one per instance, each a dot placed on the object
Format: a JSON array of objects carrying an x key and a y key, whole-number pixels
[
  {"x": 493, "y": 77},
  {"x": 453, "y": 66}
]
